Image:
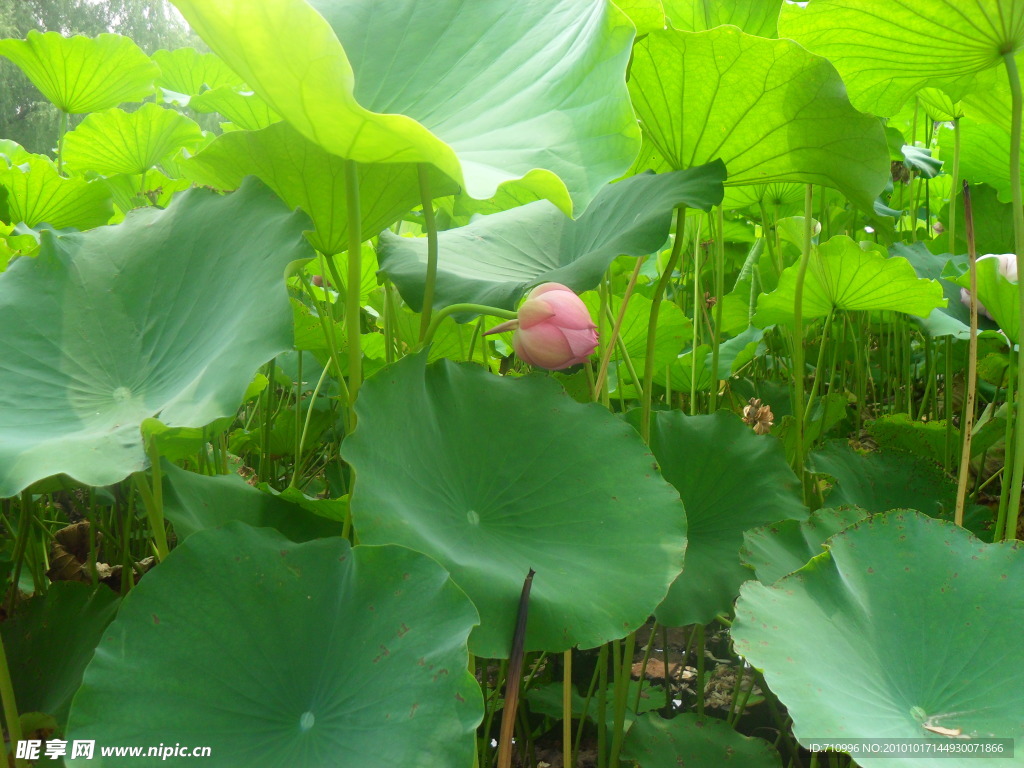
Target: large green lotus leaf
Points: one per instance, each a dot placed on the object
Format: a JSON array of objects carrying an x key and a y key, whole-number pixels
[
  {"x": 646, "y": 15},
  {"x": 730, "y": 480},
  {"x": 169, "y": 313},
  {"x": 116, "y": 141},
  {"x": 687, "y": 740},
  {"x": 506, "y": 94},
  {"x": 49, "y": 641},
  {"x": 305, "y": 176},
  {"x": 884, "y": 480},
  {"x": 755, "y": 17},
  {"x": 494, "y": 476},
  {"x": 778, "y": 549},
  {"x": 768, "y": 108},
  {"x": 186, "y": 71},
  {"x": 905, "y": 624},
  {"x": 885, "y": 58},
  {"x": 281, "y": 654},
  {"x": 82, "y": 74},
  {"x": 242, "y": 107},
  {"x": 843, "y": 274},
  {"x": 495, "y": 259},
  {"x": 194, "y": 503},
  {"x": 37, "y": 194}
]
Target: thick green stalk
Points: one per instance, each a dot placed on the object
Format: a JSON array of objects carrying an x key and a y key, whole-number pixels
[
  {"x": 818, "y": 370},
  {"x": 719, "y": 291},
  {"x": 798, "y": 334},
  {"x": 353, "y": 286},
  {"x": 9, "y": 704},
  {"x": 652, "y": 324},
  {"x": 567, "y": 708},
  {"x": 972, "y": 366},
  {"x": 697, "y": 305},
  {"x": 622, "y": 678},
  {"x": 1017, "y": 475},
  {"x": 62, "y": 128},
  {"x": 430, "y": 226},
  {"x": 956, "y": 184}
]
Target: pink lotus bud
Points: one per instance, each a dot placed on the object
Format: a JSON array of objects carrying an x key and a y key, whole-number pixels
[
  {"x": 553, "y": 330},
  {"x": 1007, "y": 268}
]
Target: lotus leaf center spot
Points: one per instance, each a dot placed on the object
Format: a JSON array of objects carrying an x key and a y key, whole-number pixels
[
  {"x": 121, "y": 394},
  {"x": 473, "y": 517},
  {"x": 306, "y": 721}
]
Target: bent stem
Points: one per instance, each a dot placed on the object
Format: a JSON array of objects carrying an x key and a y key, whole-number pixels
[
  {"x": 451, "y": 309},
  {"x": 1017, "y": 475}
]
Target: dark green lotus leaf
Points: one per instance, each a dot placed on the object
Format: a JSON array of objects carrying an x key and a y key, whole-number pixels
[
  {"x": 169, "y": 314},
  {"x": 769, "y": 109},
  {"x": 50, "y": 639},
  {"x": 194, "y": 503},
  {"x": 755, "y": 17},
  {"x": 276, "y": 654},
  {"x": 37, "y": 194},
  {"x": 82, "y": 74},
  {"x": 884, "y": 480},
  {"x": 686, "y": 740},
  {"x": 730, "y": 480},
  {"x": 493, "y": 476},
  {"x": 843, "y": 274},
  {"x": 536, "y": 89},
  {"x": 116, "y": 141},
  {"x": 186, "y": 71},
  {"x": 899, "y": 432},
  {"x": 306, "y": 176},
  {"x": 494, "y": 260},
  {"x": 778, "y": 549},
  {"x": 906, "y": 624},
  {"x": 885, "y": 58}
]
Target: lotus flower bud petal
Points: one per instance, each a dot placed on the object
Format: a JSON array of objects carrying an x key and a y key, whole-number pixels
[{"x": 555, "y": 329}]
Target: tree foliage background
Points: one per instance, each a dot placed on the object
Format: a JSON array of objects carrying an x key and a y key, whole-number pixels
[{"x": 25, "y": 115}]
